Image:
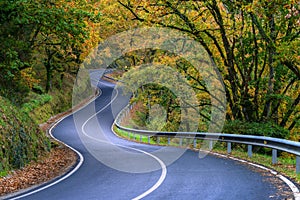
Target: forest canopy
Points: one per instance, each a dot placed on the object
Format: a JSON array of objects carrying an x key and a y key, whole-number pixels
[
  {"x": 42, "y": 45},
  {"x": 254, "y": 44}
]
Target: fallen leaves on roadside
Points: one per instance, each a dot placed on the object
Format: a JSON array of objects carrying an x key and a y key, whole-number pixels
[{"x": 56, "y": 163}]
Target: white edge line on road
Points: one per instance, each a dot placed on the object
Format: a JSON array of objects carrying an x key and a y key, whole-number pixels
[
  {"x": 162, "y": 176},
  {"x": 162, "y": 164},
  {"x": 81, "y": 158},
  {"x": 290, "y": 184}
]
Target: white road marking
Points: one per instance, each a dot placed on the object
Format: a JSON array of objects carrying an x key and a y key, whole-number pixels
[
  {"x": 81, "y": 158},
  {"x": 161, "y": 163},
  {"x": 291, "y": 185}
]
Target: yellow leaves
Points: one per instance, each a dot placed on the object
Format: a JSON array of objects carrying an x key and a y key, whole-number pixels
[
  {"x": 28, "y": 76},
  {"x": 251, "y": 91},
  {"x": 115, "y": 18},
  {"x": 248, "y": 8},
  {"x": 167, "y": 60},
  {"x": 289, "y": 51}
]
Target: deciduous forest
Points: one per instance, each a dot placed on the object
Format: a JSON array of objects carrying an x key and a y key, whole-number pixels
[{"x": 254, "y": 44}]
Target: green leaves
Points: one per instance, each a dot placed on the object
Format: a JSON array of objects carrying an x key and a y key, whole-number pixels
[
  {"x": 255, "y": 45},
  {"x": 254, "y": 128},
  {"x": 36, "y": 31},
  {"x": 20, "y": 139}
]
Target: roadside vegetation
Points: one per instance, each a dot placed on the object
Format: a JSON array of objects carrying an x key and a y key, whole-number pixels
[
  {"x": 254, "y": 44},
  {"x": 43, "y": 44},
  {"x": 286, "y": 163},
  {"x": 20, "y": 138},
  {"x": 255, "y": 47}
]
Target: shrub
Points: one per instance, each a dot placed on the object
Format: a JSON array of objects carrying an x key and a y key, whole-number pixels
[
  {"x": 20, "y": 138},
  {"x": 35, "y": 103},
  {"x": 254, "y": 128}
]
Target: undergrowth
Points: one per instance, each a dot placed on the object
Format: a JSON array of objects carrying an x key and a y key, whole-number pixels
[{"x": 20, "y": 138}]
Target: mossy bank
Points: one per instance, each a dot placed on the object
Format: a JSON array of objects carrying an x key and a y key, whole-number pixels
[{"x": 21, "y": 140}]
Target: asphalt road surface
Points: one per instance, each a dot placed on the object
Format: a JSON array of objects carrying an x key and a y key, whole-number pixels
[{"x": 188, "y": 177}]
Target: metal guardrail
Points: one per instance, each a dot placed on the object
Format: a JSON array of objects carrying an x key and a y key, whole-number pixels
[{"x": 251, "y": 140}]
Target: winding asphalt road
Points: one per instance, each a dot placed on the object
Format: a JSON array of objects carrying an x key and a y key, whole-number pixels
[{"x": 187, "y": 178}]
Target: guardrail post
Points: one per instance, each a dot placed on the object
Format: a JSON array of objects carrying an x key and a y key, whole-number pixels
[
  {"x": 134, "y": 136},
  {"x": 169, "y": 140},
  {"x": 297, "y": 164},
  {"x": 274, "y": 156},
  {"x": 180, "y": 142},
  {"x": 195, "y": 143},
  {"x": 229, "y": 147},
  {"x": 250, "y": 151},
  {"x": 210, "y": 145},
  {"x": 141, "y": 138},
  {"x": 157, "y": 140},
  {"x": 148, "y": 139}
]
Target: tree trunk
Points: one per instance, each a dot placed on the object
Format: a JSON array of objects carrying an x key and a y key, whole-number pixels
[
  {"x": 49, "y": 77},
  {"x": 272, "y": 52}
]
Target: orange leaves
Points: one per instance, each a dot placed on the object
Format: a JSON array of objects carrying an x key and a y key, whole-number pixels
[
  {"x": 51, "y": 166},
  {"x": 29, "y": 77}
]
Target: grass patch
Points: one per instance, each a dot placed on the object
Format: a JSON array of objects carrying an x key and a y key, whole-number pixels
[
  {"x": 285, "y": 165},
  {"x": 3, "y": 173},
  {"x": 21, "y": 140}
]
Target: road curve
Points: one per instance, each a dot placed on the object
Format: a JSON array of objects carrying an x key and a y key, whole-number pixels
[{"x": 187, "y": 178}]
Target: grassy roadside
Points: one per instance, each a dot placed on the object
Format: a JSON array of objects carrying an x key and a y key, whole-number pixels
[
  {"x": 23, "y": 136},
  {"x": 21, "y": 140},
  {"x": 42, "y": 107},
  {"x": 43, "y": 110},
  {"x": 286, "y": 165}
]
